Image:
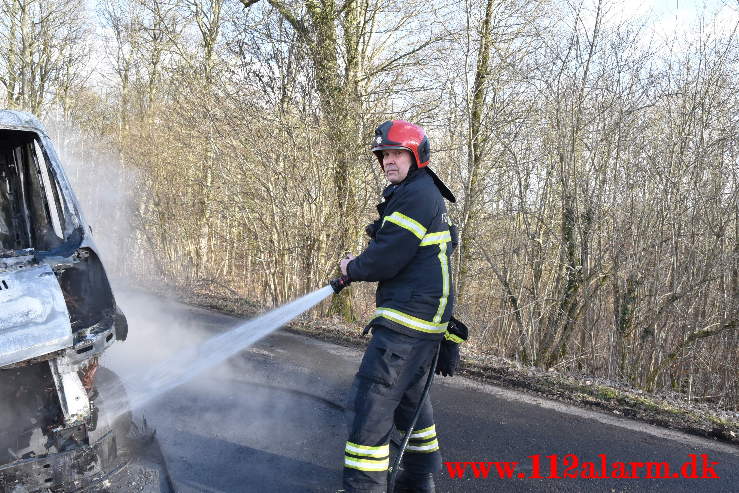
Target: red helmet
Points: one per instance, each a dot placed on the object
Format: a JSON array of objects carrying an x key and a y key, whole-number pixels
[{"x": 400, "y": 134}]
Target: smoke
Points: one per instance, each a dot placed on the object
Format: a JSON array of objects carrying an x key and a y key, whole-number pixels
[
  {"x": 202, "y": 355},
  {"x": 222, "y": 418},
  {"x": 108, "y": 192},
  {"x": 191, "y": 372}
]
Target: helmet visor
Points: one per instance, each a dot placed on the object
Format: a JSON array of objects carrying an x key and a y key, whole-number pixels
[{"x": 381, "y": 148}]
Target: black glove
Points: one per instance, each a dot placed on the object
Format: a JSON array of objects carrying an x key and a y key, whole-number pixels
[
  {"x": 371, "y": 229},
  {"x": 340, "y": 283},
  {"x": 456, "y": 333}
]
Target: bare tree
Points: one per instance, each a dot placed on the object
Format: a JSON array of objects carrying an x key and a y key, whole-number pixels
[
  {"x": 596, "y": 168},
  {"x": 45, "y": 49}
]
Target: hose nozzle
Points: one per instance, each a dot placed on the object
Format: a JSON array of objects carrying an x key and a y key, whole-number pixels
[{"x": 340, "y": 283}]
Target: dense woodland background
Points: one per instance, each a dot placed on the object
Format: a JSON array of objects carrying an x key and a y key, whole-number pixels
[{"x": 595, "y": 158}]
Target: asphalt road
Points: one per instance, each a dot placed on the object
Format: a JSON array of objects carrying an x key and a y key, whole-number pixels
[{"x": 271, "y": 420}]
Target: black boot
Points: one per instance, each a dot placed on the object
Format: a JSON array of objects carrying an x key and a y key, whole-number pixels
[{"x": 414, "y": 483}]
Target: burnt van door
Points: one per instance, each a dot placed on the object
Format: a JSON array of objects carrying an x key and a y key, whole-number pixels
[
  {"x": 33, "y": 174},
  {"x": 50, "y": 191},
  {"x": 23, "y": 194},
  {"x": 8, "y": 230},
  {"x": 20, "y": 221}
]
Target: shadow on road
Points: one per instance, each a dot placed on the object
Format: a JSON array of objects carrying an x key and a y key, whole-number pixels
[{"x": 239, "y": 468}]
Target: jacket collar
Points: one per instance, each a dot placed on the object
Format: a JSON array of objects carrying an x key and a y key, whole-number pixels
[{"x": 414, "y": 175}]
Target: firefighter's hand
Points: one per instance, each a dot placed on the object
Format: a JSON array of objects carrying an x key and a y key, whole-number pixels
[
  {"x": 344, "y": 262},
  {"x": 371, "y": 229},
  {"x": 455, "y": 334},
  {"x": 448, "y": 358}
]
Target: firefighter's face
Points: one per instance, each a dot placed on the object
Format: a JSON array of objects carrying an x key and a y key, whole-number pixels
[{"x": 396, "y": 163}]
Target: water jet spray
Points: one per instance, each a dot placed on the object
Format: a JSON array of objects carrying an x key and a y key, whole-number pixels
[{"x": 189, "y": 363}]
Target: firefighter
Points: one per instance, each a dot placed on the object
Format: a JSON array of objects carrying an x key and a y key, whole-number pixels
[{"x": 409, "y": 255}]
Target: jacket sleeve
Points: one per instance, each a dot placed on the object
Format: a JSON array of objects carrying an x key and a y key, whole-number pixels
[{"x": 396, "y": 241}]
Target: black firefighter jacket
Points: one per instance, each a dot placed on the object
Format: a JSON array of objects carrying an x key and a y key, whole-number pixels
[{"x": 410, "y": 257}]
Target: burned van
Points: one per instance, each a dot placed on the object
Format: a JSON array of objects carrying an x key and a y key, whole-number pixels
[{"x": 57, "y": 316}]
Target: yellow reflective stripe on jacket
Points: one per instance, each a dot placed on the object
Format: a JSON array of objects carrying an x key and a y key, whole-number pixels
[
  {"x": 436, "y": 238},
  {"x": 451, "y": 337},
  {"x": 367, "y": 451},
  {"x": 410, "y": 321},
  {"x": 366, "y": 465},
  {"x": 406, "y": 222},
  {"x": 444, "y": 261}
]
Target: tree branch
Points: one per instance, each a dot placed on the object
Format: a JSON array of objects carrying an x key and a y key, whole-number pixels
[
  {"x": 248, "y": 3},
  {"x": 692, "y": 337},
  {"x": 296, "y": 23},
  {"x": 344, "y": 6},
  {"x": 390, "y": 63}
]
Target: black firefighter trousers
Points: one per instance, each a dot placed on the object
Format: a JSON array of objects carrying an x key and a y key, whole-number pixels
[{"x": 385, "y": 393}]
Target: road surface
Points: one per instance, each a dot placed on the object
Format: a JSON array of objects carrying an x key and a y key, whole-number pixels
[{"x": 271, "y": 420}]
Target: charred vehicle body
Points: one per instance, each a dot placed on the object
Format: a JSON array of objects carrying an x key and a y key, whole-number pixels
[{"x": 57, "y": 316}]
